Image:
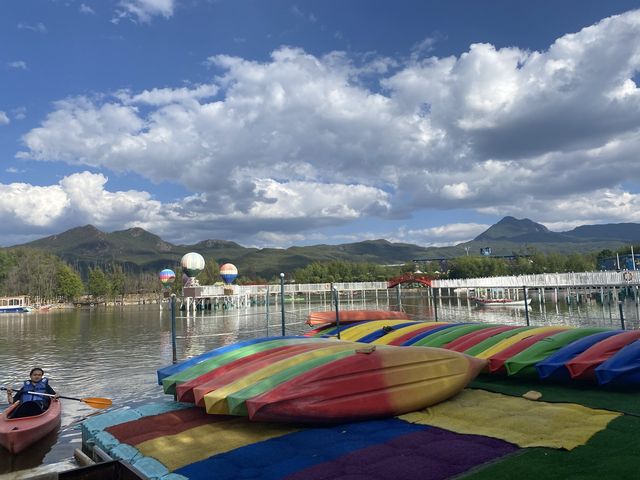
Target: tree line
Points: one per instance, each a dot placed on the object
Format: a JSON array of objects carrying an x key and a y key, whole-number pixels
[{"x": 46, "y": 278}]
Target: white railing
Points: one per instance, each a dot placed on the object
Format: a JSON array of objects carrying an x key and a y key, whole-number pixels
[
  {"x": 208, "y": 291},
  {"x": 546, "y": 280}
]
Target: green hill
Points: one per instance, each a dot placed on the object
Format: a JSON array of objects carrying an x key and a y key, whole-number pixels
[{"x": 138, "y": 250}]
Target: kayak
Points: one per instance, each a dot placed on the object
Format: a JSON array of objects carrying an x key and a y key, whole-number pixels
[
  {"x": 363, "y": 384},
  {"x": 17, "y": 434},
  {"x": 354, "y": 316}
]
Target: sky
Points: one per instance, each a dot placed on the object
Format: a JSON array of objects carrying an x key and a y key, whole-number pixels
[{"x": 274, "y": 123}]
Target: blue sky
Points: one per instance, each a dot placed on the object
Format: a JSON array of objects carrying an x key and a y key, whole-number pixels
[{"x": 278, "y": 123}]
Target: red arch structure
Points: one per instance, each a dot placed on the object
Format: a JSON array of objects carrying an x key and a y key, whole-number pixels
[{"x": 422, "y": 278}]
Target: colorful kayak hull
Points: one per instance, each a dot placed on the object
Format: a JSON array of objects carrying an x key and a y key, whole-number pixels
[
  {"x": 380, "y": 333},
  {"x": 17, "y": 434},
  {"x": 623, "y": 369},
  {"x": 420, "y": 337},
  {"x": 507, "y": 342},
  {"x": 352, "y": 316},
  {"x": 371, "y": 383},
  {"x": 399, "y": 335},
  {"x": 178, "y": 367},
  {"x": 231, "y": 372},
  {"x": 215, "y": 400},
  {"x": 583, "y": 366},
  {"x": 496, "y": 362},
  {"x": 227, "y": 356},
  {"x": 493, "y": 340},
  {"x": 440, "y": 339},
  {"x": 524, "y": 363},
  {"x": 555, "y": 366},
  {"x": 359, "y": 331},
  {"x": 468, "y": 340}
]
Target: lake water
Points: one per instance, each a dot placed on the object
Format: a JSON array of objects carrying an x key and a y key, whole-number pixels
[{"x": 115, "y": 352}]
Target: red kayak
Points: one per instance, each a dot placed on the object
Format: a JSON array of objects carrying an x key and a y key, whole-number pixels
[{"x": 17, "y": 434}]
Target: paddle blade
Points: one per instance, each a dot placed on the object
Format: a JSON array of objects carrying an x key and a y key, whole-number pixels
[{"x": 97, "y": 402}]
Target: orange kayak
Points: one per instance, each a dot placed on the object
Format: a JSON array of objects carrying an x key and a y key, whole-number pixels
[{"x": 17, "y": 434}]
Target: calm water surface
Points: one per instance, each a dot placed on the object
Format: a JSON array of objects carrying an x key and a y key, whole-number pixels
[{"x": 115, "y": 352}]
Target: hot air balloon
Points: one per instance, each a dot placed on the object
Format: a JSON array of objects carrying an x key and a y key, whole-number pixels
[
  {"x": 228, "y": 272},
  {"x": 192, "y": 264},
  {"x": 167, "y": 277}
]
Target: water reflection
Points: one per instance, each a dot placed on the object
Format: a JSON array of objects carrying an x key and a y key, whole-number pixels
[
  {"x": 115, "y": 353},
  {"x": 28, "y": 458},
  {"x": 587, "y": 312}
]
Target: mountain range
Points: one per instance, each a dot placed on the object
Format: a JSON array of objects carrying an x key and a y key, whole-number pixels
[{"x": 138, "y": 250}]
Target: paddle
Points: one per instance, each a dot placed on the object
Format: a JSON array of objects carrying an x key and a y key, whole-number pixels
[{"x": 94, "y": 402}]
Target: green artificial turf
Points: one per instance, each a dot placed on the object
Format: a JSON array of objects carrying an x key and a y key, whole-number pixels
[
  {"x": 613, "y": 453},
  {"x": 587, "y": 395}
]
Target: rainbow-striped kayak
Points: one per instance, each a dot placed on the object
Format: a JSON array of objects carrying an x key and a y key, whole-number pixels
[{"x": 321, "y": 380}]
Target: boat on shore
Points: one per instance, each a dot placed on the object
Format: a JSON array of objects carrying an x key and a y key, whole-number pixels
[
  {"x": 19, "y": 304},
  {"x": 500, "y": 302},
  {"x": 17, "y": 434},
  {"x": 14, "y": 309}
]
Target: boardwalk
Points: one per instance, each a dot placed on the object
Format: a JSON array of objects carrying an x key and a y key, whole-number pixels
[
  {"x": 245, "y": 295},
  {"x": 505, "y": 286},
  {"x": 546, "y": 280}
]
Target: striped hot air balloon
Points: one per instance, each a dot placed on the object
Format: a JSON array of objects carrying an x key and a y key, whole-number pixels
[
  {"x": 228, "y": 272},
  {"x": 167, "y": 277},
  {"x": 192, "y": 264}
]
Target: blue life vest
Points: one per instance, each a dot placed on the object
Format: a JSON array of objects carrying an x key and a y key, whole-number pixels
[{"x": 40, "y": 387}]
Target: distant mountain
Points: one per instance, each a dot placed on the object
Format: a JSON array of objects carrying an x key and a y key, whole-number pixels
[
  {"x": 627, "y": 232},
  {"x": 520, "y": 231},
  {"x": 519, "y": 236},
  {"x": 138, "y": 250},
  {"x": 526, "y": 231}
]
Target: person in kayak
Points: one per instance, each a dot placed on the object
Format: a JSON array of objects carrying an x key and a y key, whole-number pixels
[{"x": 30, "y": 403}]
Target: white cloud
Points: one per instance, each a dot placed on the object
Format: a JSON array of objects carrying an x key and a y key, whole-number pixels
[
  {"x": 444, "y": 234},
  {"x": 18, "y": 65},
  {"x": 20, "y": 113},
  {"x": 4, "y": 118},
  {"x": 166, "y": 96},
  {"x": 144, "y": 10},
  {"x": 38, "y": 27},
  {"x": 302, "y": 138},
  {"x": 21, "y": 203},
  {"x": 82, "y": 198},
  {"x": 86, "y": 9}
]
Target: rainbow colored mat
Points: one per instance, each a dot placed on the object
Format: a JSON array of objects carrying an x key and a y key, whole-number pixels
[
  {"x": 602, "y": 356},
  {"x": 174, "y": 441}
]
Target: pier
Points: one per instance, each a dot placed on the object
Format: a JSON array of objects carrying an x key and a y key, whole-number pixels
[
  {"x": 568, "y": 285},
  {"x": 574, "y": 285},
  {"x": 210, "y": 297}
]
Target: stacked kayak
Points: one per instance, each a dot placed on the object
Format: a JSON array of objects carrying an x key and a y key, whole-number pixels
[
  {"x": 607, "y": 357},
  {"x": 318, "y": 380},
  {"x": 16, "y": 434}
]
